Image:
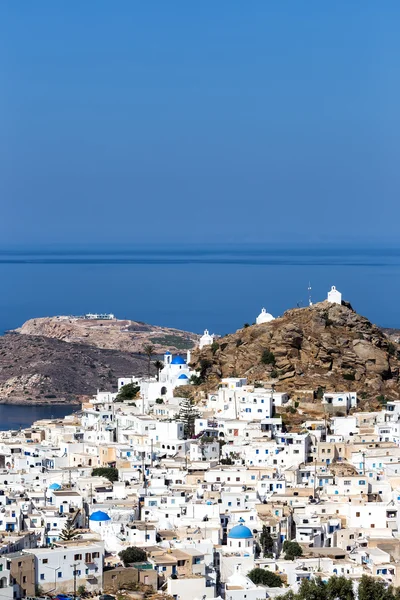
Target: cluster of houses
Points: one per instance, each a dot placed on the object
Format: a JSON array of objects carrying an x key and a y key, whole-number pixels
[
  {"x": 199, "y": 505},
  {"x": 206, "y": 504}
]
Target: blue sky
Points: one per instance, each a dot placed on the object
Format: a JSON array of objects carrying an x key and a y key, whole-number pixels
[{"x": 199, "y": 121}]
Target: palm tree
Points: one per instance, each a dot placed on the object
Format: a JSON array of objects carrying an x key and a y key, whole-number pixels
[
  {"x": 159, "y": 365},
  {"x": 148, "y": 349}
]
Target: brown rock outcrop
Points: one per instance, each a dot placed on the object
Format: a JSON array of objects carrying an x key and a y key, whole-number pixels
[{"x": 325, "y": 345}]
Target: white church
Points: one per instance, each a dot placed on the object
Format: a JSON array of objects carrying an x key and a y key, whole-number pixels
[
  {"x": 334, "y": 296},
  {"x": 206, "y": 339},
  {"x": 176, "y": 372},
  {"x": 264, "y": 317}
]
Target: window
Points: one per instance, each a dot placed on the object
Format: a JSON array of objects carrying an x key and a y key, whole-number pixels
[
  {"x": 361, "y": 482},
  {"x": 24, "y": 579},
  {"x": 45, "y": 561},
  {"x": 347, "y": 482},
  {"x": 357, "y": 514},
  {"x": 78, "y": 557},
  {"x": 42, "y": 577},
  {"x": 59, "y": 574}
]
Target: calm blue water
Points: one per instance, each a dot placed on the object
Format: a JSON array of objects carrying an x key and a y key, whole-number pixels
[
  {"x": 193, "y": 288},
  {"x": 14, "y": 416}
]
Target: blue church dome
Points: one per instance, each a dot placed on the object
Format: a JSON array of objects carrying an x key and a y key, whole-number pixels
[
  {"x": 183, "y": 376},
  {"x": 55, "y": 486},
  {"x": 167, "y": 353},
  {"x": 178, "y": 360},
  {"x": 99, "y": 515},
  {"x": 240, "y": 532}
]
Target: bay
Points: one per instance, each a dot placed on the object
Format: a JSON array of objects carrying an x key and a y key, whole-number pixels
[{"x": 15, "y": 416}]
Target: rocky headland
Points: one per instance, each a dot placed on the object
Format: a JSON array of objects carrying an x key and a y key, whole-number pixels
[
  {"x": 64, "y": 359},
  {"x": 114, "y": 334},
  {"x": 323, "y": 347}
]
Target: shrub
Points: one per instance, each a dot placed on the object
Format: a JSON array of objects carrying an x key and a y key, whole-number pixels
[
  {"x": 132, "y": 554},
  {"x": 246, "y": 325},
  {"x": 292, "y": 550},
  {"x": 274, "y": 374},
  {"x": 108, "y": 472},
  {"x": 391, "y": 349},
  {"x": 196, "y": 380},
  {"x": 127, "y": 392},
  {"x": 214, "y": 347},
  {"x": 349, "y": 376},
  {"x": 159, "y": 401},
  {"x": 264, "y": 577},
  {"x": 268, "y": 357}
]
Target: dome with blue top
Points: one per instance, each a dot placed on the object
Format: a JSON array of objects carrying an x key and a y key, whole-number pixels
[
  {"x": 183, "y": 376},
  {"x": 178, "y": 360},
  {"x": 55, "y": 486},
  {"x": 99, "y": 515},
  {"x": 168, "y": 353},
  {"x": 240, "y": 532}
]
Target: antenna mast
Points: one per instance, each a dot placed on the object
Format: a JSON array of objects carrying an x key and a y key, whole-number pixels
[{"x": 309, "y": 294}]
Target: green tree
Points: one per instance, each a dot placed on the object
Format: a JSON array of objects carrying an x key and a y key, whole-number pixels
[
  {"x": 132, "y": 554},
  {"x": 127, "y": 392},
  {"x": 188, "y": 413},
  {"x": 148, "y": 350},
  {"x": 292, "y": 550},
  {"x": 312, "y": 589},
  {"x": 266, "y": 541},
  {"x": 196, "y": 380},
  {"x": 340, "y": 588},
  {"x": 264, "y": 577},
  {"x": 159, "y": 365},
  {"x": 69, "y": 531},
  {"x": 373, "y": 589},
  {"x": 109, "y": 473}
]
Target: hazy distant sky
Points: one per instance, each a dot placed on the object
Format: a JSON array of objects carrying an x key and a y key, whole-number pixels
[{"x": 214, "y": 120}]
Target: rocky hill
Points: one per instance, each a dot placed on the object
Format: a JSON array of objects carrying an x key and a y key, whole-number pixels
[
  {"x": 324, "y": 346},
  {"x": 38, "y": 370},
  {"x": 126, "y": 336}
]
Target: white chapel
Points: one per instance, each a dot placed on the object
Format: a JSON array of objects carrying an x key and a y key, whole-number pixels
[{"x": 334, "y": 296}]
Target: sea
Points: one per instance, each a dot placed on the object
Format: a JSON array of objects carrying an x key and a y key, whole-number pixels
[
  {"x": 192, "y": 287},
  {"x": 218, "y": 287}
]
